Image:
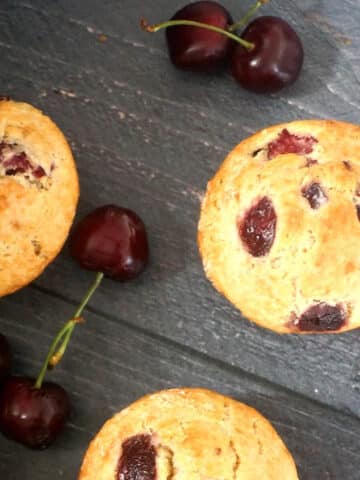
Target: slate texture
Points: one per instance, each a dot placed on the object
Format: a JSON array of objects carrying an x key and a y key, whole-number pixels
[{"x": 148, "y": 137}]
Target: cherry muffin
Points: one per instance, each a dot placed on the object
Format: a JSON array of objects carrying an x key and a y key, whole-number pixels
[
  {"x": 279, "y": 229},
  {"x": 38, "y": 193},
  {"x": 187, "y": 434}
]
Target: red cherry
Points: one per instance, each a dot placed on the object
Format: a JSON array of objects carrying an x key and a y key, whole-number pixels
[
  {"x": 138, "y": 458},
  {"x": 111, "y": 240},
  {"x": 258, "y": 227},
  {"x": 287, "y": 142},
  {"x": 194, "y": 48},
  {"x": 321, "y": 318},
  {"x": 274, "y": 62},
  {"x": 32, "y": 416},
  {"x": 267, "y": 57},
  {"x": 315, "y": 195}
]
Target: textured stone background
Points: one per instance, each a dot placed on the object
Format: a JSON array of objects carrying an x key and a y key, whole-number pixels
[{"x": 149, "y": 137}]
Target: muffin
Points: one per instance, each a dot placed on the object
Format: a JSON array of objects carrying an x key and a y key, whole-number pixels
[
  {"x": 187, "y": 434},
  {"x": 38, "y": 193},
  {"x": 279, "y": 229}
]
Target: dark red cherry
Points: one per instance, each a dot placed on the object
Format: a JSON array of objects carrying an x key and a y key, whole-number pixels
[
  {"x": 5, "y": 357},
  {"x": 111, "y": 240},
  {"x": 138, "y": 459},
  {"x": 315, "y": 195},
  {"x": 274, "y": 62},
  {"x": 32, "y": 416},
  {"x": 195, "y": 48},
  {"x": 18, "y": 163},
  {"x": 287, "y": 142},
  {"x": 321, "y": 318},
  {"x": 38, "y": 172},
  {"x": 258, "y": 227}
]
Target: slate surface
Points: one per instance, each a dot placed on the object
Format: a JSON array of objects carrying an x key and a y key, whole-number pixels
[{"x": 149, "y": 137}]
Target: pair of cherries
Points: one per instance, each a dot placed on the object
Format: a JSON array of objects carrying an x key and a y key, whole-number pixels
[
  {"x": 265, "y": 58},
  {"x": 111, "y": 241}
]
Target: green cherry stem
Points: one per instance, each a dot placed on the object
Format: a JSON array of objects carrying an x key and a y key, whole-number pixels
[
  {"x": 173, "y": 23},
  {"x": 55, "y": 352},
  {"x": 58, "y": 354},
  {"x": 248, "y": 15}
]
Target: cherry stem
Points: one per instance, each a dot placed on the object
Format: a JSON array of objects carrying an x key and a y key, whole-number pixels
[
  {"x": 248, "y": 15},
  {"x": 173, "y": 23},
  {"x": 55, "y": 352}
]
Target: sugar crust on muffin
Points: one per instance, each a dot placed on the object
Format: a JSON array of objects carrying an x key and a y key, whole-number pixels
[
  {"x": 279, "y": 229},
  {"x": 188, "y": 434},
  {"x": 39, "y": 191}
]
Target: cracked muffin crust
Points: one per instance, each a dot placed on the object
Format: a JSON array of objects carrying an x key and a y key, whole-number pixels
[
  {"x": 38, "y": 193},
  {"x": 279, "y": 229},
  {"x": 187, "y": 434}
]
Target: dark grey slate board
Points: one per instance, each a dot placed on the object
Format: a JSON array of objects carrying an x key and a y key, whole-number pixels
[{"x": 149, "y": 137}]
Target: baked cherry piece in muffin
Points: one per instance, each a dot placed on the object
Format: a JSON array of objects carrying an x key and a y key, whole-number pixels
[
  {"x": 38, "y": 193},
  {"x": 279, "y": 230},
  {"x": 187, "y": 434}
]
